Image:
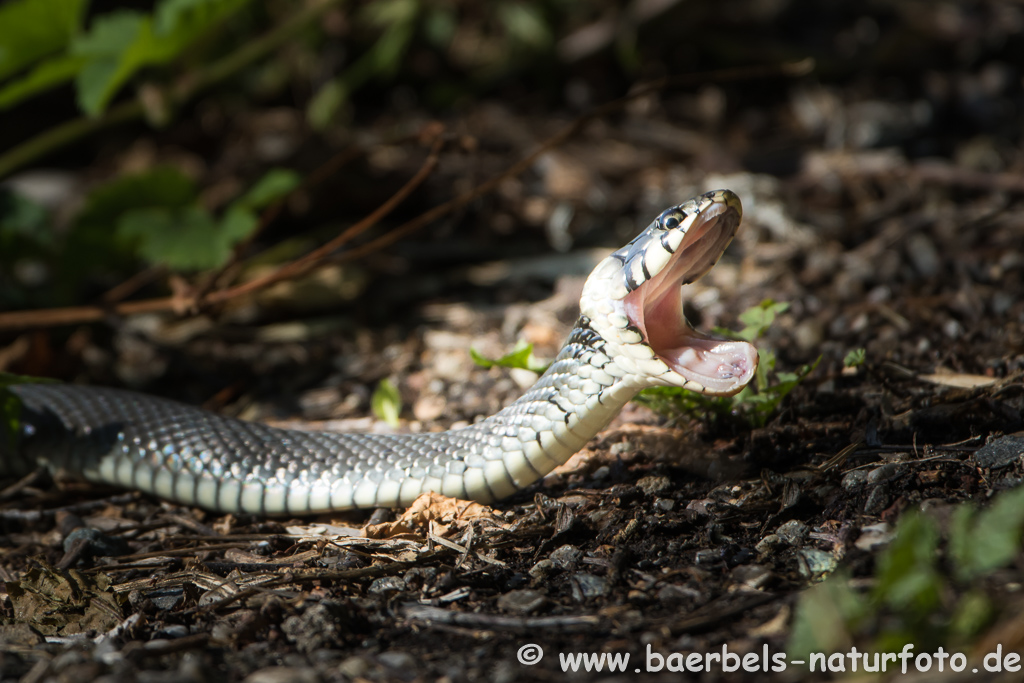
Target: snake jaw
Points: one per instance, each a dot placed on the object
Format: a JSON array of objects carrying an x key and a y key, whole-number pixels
[{"x": 645, "y": 278}]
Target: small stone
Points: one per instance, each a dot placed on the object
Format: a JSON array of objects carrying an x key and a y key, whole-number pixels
[
  {"x": 769, "y": 544},
  {"x": 542, "y": 569},
  {"x": 19, "y": 634},
  {"x": 708, "y": 556},
  {"x": 1001, "y": 452},
  {"x": 752, "y": 575},
  {"x": 654, "y": 484},
  {"x": 853, "y": 480},
  {"x": 674, "y": 592},
  {"x": 883, "y": 473},
  {"x": 428, "y": 408},
  {"x": 387, "y": 584},
  {"x": 878, "y": 500},
  {"x": 354, "y": 667},
  {"x": 284, "y": 674},
  {"x": 874, "y": 536},
  {"x": 566, "y": 557},
  {"x": 665, "y": 504},
  {"x": 620, "y": 448},
  {"x": 401, "y": 661},
  {"x": 522, "y": 601},
  {"x": 601, "y": 472},
  {"x": 815, "y": 564},
  {"x": 97, "y": 543},
  {"x": 588, "y": 586},
  {"x": 923, "y": 254},
  {"x": 794, "y": 532}
]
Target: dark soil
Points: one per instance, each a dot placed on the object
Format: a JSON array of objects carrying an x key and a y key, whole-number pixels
[{"x": 883, "y": 199}]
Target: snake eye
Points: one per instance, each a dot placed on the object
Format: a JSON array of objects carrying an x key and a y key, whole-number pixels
[{"x": 670, "y": 222}]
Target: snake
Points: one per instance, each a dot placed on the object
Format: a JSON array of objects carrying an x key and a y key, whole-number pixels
[{"x": 631, "y": 334}]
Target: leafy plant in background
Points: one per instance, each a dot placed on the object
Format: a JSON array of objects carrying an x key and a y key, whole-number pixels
[
  {"x": 758, "y": 400},
  {"x": 520, "y": 357},
  {"x": 47, "y": 44},
  {"x": 386, "y": 402},
  {"x": 154, "y": 217},
  {"x": 911, "y": 600}
]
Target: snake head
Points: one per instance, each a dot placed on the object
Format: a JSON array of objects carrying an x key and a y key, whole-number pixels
[{"x": 634, "y": 300}]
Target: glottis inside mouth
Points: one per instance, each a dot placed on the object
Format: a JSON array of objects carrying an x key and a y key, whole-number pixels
[{"x": 720, "y": 366}]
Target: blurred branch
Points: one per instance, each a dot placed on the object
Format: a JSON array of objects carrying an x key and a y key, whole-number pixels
[
  {"x": 83, "y": 314},
  {"x": 186, "y": 88}
]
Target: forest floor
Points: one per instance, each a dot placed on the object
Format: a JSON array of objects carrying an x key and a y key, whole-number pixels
[{"x": 904, "y": 278}]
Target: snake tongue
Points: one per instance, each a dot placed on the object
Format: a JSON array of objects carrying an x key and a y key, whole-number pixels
[{"x": 719, "y": 366}]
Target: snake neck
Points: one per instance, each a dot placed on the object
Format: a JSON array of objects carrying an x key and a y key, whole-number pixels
[{"x": 576, "y": 397}]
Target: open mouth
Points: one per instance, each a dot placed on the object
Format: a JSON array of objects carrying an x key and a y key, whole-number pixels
[{"x": 720, "y": 367}]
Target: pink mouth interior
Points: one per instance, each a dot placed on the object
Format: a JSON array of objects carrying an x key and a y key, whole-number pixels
[{"x": 722, "y": 367}]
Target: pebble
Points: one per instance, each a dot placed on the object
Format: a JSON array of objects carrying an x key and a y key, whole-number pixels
[
  {"x": 620, "y": 448},
  {"x": 674, "y": 592},
  {"x": 401, "y": 661},
  {"x": 709, "y": 556},
  {"x": 542, "y": 569},
  {"x": 794, "y": 532},
  {"x": 878, "y": 500},
  {"x": 884, "y": 473},
  {"x": 814, "y": 563},
  {"x": 354, "y": 667},
  {"x": 923, "y": 254},
  {"x": 654, "y": 484},
  {"x": 98, "y": 544},
  {"x": 665, "y": 504},
  {"x": 586, "y": 585},
  {"x": 769, "y": 544},
  {"x": 854, "y": 479},
  {"x": 752, "y": 575},
  {"x": 522, "y": 601},
  {"x": 387, "y": 584},
  {"x": 566, "y": 557},
  {"x": 1001, "y": 452},
  {"x": 283, "y": 674},
  {"x": 874, "y": 536}
]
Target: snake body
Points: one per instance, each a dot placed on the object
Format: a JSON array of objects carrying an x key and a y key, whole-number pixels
[{"x": 630, "y": 335}]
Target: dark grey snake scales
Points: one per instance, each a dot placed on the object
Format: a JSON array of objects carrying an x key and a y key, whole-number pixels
[{"x": 630, "y": 335}]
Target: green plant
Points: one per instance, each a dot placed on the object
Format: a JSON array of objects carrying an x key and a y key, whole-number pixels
[
  {"x": 47, "y": 44},
  {"x": 520, "y": 357},
  {"x": 911, "y": 600},
  {"x": 855, "y": 358},
  {"x": 757, "y": 402},
  {"x": 386, "y": 402}
]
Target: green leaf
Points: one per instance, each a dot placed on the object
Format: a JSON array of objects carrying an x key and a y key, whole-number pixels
[
  {"x": 386, "y": 403},
  {"x": 33, "y": 29},
  {"x": 162, "y": 186},
  {"x": 22, "y": 217},
  {"x": 44, "y": 76},
  {"x": 276, "y": 183},
  {"x": 525, "y": 24},
  {"x": 121, "y": 43},
  {"x": 974, "y": 612},
  {"x": 855, "y": 358},
  {"x": 825, "y": 616},
  {"x": 323, "y": 107},
  {"x": 191, "y": 18},
  {"x": 907, "y": 574},
  {"x": 184, "y": 239},
  {"x": 757, "y": 319},
  {"x": 520, "y": 357},
  {"x": 980, "y": 542}
]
